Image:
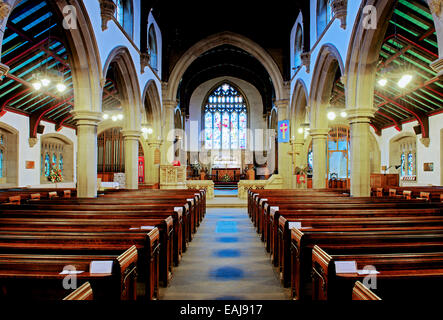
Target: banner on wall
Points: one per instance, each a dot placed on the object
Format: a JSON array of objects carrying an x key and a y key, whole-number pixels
[{"x": 283, "y": 131}]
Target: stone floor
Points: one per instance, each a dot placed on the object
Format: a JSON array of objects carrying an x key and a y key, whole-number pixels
[{"x": 225, "y": 260}]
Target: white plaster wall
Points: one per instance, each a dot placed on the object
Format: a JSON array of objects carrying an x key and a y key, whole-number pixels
[
  {"x": 31, "y": 177},
  {"x": 256, "y": 120},
  {"x": 430, "y": 154}
]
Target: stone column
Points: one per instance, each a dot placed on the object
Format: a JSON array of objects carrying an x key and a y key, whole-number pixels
[
  {"x": 284, "y": 149},
  {"x": 152, "y": 170},
  {"x": 131, "y": 138},
  {"x": 87, "y": 122},
  {"x": 359, "y": 120},
  {"x": 319, "y": 140},
  {"x": 297, "y": 160},
  {"x": 436, "y": 7},
  {"x": 168, "y": 132}
]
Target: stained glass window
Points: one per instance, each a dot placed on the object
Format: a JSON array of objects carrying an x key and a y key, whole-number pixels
[
  {"x": 226, "y": 119},
  {"x": 54, "y": 161},
  {"x": 60, "y": 163},
  {"x": 403, "y": 165},
  {"x": 324, "y": 15},
  {"x": 1, "y": 163},
  {"x": 410, "y": 164},
  {"x": 47, "y": 165}
]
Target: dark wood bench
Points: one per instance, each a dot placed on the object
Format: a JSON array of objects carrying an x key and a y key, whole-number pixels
[
  {"x": 361, "y": 293},
  {"x": 32, "y": 276},
  {"x": 83, "y": 293}
]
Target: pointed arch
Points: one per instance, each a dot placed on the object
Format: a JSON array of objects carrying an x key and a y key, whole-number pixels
[{"x": 152, "y": 108}]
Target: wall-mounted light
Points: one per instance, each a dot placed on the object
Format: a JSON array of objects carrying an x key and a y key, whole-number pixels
[
  {"x": 105, "y": 116},
  {"x": 301, "y": 130},
  {"x": 343, "y": 114},
  {"x": 114, "y": 118},
  {"x": 120, "y": 116}
]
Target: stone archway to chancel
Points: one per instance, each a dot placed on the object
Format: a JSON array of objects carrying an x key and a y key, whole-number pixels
[{"x": 121, "y": 103}]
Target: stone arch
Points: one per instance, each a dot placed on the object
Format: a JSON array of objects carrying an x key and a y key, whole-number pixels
[
  {"x": 152, "y": 108},
  {"x": 217, "y": 40},
  {"x": 300, "y": 100},
  {"x": 297, "y": 26},
  {"x": 130, "y": 87},
  {"x": 67, "y": 153},
  {"x": 329, "y": 59}
]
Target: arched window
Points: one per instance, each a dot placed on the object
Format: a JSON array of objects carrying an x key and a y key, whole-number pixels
[
  {"x": 226, "y": 119},
  {"x": 124, "y": 15},
  {"x": 56, "y": 153},
  {"x": 324, "y": 15},
  {"x": 298, "y": 47},
  {"x": 152, "y": 47},
  {"x": 403, "y": 152}
]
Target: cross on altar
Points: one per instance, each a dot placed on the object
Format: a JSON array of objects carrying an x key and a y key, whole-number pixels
[{"x": 283, "y": 129}]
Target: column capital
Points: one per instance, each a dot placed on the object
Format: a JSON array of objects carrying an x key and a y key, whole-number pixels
[
  {"x": 131, "y": 134},
  {"x": 5, "y": 9},
  {"x": 360, "y": 115},
  {"x": 319, "y": 133},
  {"x": 87, "y": 118},
  {"x": 170, "y": 104},
  {"x": 282, "y": 103},
  {"x": 154, "y": 142},
  {"x": 107, "y": 11}
]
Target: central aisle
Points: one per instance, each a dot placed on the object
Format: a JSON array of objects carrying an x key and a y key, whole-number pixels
[{"x": 225, "y": 260}]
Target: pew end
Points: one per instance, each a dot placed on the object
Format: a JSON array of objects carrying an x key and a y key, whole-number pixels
[
  {"x": 83, "y": 293},
  {"x": 361, "y": 293}
]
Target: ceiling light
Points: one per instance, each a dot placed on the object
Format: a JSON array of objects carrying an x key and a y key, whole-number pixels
[
  {"x": 114, "y": 118},
  {"x": 331, "y": 115},
  {"x": 382, "y": 82},
  {"x": 343, "y": 114},
  {"x": 37, "y": 85},
  {"x": 61, "y": 87},
  {"x": 404, "y": 81},
  {"x": 106, "y": 116}
]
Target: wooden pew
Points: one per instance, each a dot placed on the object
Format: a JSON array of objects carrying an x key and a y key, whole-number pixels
[
  {"x": 85, "y": 243},
  {"x": 83, "y": 293},
  {"x": 180, "y": 228},
  {"x": 32, "y": 276},
  {"x": 303, "y": 242},
  {"x": 361, "y": 293},
  {"x": 130, "y": 225},
  {"x": 396, "y": 271}
]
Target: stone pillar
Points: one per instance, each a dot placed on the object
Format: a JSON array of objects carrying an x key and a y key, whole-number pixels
[
  {"x": 168, "y": 132},
  {"x": 152, "y": 170},
  {"x": 297, "y": 160},
  {"x": 87, "y": 122},
  {"x": 131, "y": 138},
  {"x": 436, "y": 7},
  {"x": 359, "y": 120},
  {"x": 284, "y": 149},
  {"x": 319, "y": 141}
]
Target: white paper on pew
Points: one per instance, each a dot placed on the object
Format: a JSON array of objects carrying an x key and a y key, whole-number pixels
[
  {"x": 146, "y": 227},
  {"x": 134, "y": 228},
  {"x": 263, "y": 200},
  {"x": 100, "y": 267},
  {"x": 367, "y": 271},
  {"x": 266, "y": 206},
  {"x": 71, "y": 272},
  {"x": 192, "y": 201},
  {"x": 294, "y": 225},
  {"x": 178, "y": 209},
  {"x": 345, "y": 267},
  {"x": 274, "y": 210}
]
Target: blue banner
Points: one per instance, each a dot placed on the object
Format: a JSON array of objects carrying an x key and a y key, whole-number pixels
[{"x": 283, "y": 131}]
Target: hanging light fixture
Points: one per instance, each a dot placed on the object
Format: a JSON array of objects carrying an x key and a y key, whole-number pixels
[{"x": 332, "y": 115}]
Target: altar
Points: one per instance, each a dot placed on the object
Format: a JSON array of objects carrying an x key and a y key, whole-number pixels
[
  {"x": 226, "y": 163},
  {"x": 218, "y": 174}
]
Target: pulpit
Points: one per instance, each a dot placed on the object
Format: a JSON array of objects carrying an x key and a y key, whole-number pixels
[{"x": 379, "y": 180}]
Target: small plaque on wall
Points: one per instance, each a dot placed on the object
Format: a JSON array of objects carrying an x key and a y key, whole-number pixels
[
  {"x": 30, "y": 164},
  {"x": 428, "y": 166}
]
